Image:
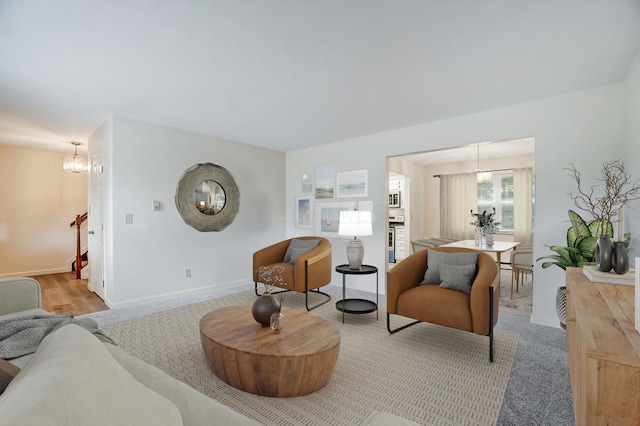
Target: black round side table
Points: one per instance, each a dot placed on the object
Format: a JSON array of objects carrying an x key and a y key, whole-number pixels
[{"x": 356, "y": 306}]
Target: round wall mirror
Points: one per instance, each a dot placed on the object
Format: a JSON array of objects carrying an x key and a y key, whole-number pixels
[{"x": 207, "y": 197}]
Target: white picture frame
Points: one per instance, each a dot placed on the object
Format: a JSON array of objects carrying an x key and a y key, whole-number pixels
[
  {"x": 307, "y": 183},
  {"x": 327, "y": 217},
  {"x": 324, "y": 184},
  {"x": 352, "y": 184},
  {"x": 304, "y": 212}
]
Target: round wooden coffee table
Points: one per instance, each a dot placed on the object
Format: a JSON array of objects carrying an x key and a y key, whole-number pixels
[{"x": 297, "y": 361}]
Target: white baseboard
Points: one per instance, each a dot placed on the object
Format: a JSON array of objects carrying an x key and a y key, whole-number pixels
[
  {"x": 218, "y": 290},
  {"x": 34, "y": 273}
]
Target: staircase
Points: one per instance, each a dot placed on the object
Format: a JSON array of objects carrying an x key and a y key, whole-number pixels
[{"x": 81, "y": 258}]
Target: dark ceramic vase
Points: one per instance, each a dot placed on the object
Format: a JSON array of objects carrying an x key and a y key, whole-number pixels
[
  {"x": 263, "y": 307},
  {"x": 604, "y": 253},
  {"x": 620, "y": 258}
]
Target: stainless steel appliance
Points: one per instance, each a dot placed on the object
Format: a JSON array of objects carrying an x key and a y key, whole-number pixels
[
  {"x": 391, "y": 244},
  {"x": 394, "y": 198},
  {"x": 396, "y": 240}
]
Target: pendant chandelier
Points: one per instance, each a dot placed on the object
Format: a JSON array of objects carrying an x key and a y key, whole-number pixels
[
  {"x": 483, "y": 176},
  {"x": 75, "y": 164}
]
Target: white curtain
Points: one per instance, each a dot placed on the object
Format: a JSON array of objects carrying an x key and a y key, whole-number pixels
[
  {"x": 523, "y": 204},
  {"x": 458, "y": 196}
]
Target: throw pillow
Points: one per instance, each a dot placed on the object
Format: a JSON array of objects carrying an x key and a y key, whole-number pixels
[
  {"x": 72, "y": 379},
  {"x": 296, "y": 253},
  {"x": 305, "y": 245},
  {"x": 457, "y": 277},
  {"x": 7, "y": 372},
  {"x": 435, "y": 258}
]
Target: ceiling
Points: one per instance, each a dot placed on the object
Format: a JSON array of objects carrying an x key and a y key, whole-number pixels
[
  {"x": 475, "y": 152},
  {"x": 287, "y": 74}
]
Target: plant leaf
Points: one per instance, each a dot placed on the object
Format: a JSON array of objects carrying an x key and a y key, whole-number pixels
[
  {"x": 581, "y": 228},
  {"x": 572, "y": 236},
  {"x": 594, "y": 228},
  {"x": 547, "y": 264},
  {"x": 587, "y": 248}
]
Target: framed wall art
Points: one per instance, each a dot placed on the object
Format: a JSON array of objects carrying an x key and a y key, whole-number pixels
[
  {"x": 352, "y": 184},
  {"x": 304, "y": 212},
  {"x": 327, "y": 217},
  {"x": 307, "y": 183},
  {"x": 324, "y": 180}
]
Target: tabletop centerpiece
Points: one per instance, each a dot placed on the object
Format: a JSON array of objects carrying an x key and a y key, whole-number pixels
[
  {"x": 485, "y": 225},
  {"x": 270, "y": 277},
  {"x": 606, "y": 208}
]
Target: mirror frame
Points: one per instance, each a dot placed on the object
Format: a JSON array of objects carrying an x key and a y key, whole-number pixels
[{"x": 192, "y": 177}]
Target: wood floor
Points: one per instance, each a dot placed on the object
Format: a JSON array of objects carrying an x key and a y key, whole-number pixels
[{"x": 64, "y": 294}]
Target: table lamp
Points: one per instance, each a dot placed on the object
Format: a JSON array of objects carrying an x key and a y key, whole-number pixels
[{"x": 357, "y": 224}]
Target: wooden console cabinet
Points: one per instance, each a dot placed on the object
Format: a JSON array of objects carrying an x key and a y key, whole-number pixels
[{"x": 604, "y": 352}]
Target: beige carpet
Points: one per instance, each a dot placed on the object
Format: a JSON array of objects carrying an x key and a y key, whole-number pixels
[
  {"x": 427, "y": 373},
  {"x": 522, "y": 299}
]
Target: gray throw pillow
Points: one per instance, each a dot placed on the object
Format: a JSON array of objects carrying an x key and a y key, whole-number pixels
[
  {"x": 457, "y": 277},
  {"x": 305, "y": 245},
  {"x": 296, "y": 253},
  {"x": 435, "y": 258}
]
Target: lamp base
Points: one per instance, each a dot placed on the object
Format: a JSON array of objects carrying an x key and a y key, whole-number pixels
[{"x": 355, "y": 253}]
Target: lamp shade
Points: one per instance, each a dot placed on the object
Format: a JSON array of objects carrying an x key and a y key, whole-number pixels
[{"x": 355, "y": 223}]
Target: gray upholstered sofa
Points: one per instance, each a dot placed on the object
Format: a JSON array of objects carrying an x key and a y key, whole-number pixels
[{"x": 75, "y": 379}]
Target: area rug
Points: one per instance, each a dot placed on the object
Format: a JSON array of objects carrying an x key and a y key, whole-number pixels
[{"x": 427, "y": 373}]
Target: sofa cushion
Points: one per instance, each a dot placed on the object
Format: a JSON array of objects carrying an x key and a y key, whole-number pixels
[
  {"x": 197, "y": 408},
  {"x": 73, "y": 380},
  {"x": 7, "y": 372},
  {"x": 457, "y": 277},
  {"x": 301, "y": 247},
  {"x": 434, "y": 258}
]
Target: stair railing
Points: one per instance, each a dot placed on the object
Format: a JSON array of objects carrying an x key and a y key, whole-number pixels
[{"x": 78, "y": 221}]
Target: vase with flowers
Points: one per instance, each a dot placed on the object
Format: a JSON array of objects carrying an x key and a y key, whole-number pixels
[
  {"x": 485, "y": 225},
  {"x": 266, "y": 305}
]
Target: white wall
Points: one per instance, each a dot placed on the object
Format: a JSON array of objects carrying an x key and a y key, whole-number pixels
[
  {"x": 146, "y": 260},
  {"x": 583, "y": 128},
  {"x": 632, "y": 130},
  {"x": 38, "y": 202}
]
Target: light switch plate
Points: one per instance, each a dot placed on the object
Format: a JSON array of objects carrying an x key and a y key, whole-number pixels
[
  {"x": 155, "y": 206},
  {"x": 128, "y": 218}
]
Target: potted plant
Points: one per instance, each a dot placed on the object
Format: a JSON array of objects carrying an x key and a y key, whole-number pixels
[
  {"x": 618, "y": 191},
  {"x": 581, "y": 244},
  {"x": 485, "y": 225},
  {"x": 583, "y": 237}
]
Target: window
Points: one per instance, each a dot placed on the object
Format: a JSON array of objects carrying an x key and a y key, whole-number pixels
[{"x": 498, "y": 193}]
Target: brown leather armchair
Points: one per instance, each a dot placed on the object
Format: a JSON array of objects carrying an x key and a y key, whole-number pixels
[
  {"x": 310, "y": 271},
  {"x": 476, "y": 312}
]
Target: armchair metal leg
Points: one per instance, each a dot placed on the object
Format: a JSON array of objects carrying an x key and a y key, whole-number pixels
[
  {"x": 491, "y": 342},
  {"x": 399, "y": 328},
  {"x": 306, "y": 299}
]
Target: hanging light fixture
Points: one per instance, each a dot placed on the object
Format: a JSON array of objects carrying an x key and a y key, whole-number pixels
[
  {"x": 483, "y": 176},
  {"x": 75, "y": 164}
]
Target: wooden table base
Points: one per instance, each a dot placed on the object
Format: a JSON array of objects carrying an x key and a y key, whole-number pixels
[{"x": 297, "y": 361}]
